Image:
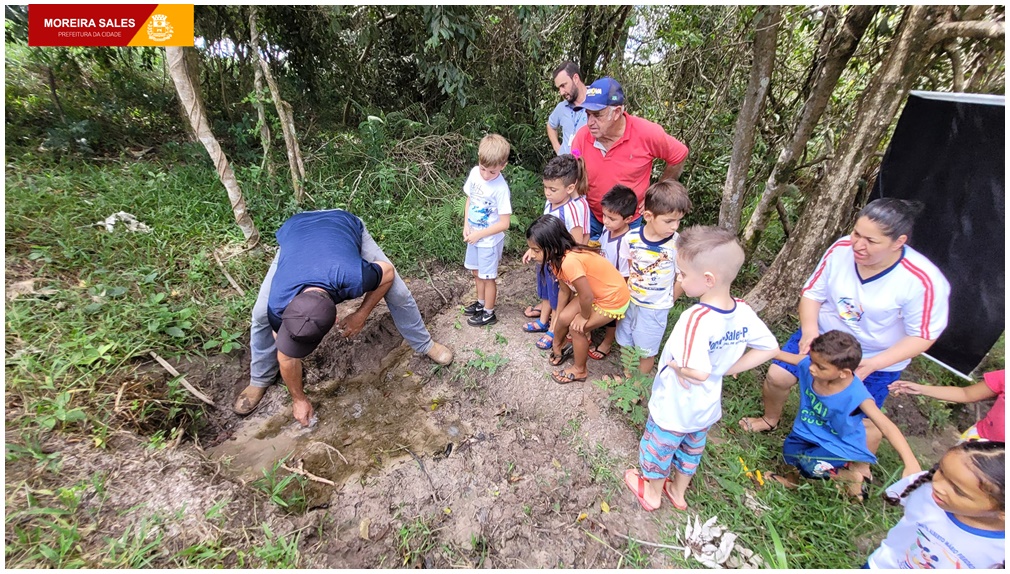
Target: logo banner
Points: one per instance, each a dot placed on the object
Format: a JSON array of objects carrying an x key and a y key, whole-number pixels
[{"x": 110, "y": 24}]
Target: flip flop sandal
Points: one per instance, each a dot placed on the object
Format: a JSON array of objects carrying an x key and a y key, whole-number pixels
[
  {"x": 546, "y": 341},
  {"x": 566, "y": 353},
  {"x": 563, "y": 378},
  {"x": 750, "y": 428},
  {"x": 639, "y": 489},
  {"x": 535, "y": 327},
  {"x": 670, "y": 497},
  {"x": 597, "y": 355},
  {"x": 532, "y": 312}
]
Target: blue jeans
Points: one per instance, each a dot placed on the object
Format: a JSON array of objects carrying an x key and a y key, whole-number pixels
[
  {"x": 596, "y": 226},
  {"x": 263, "y": 367}
]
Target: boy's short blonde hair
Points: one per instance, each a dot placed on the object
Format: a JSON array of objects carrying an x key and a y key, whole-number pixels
[
  {"x": 493, "y": 151},
  {"x": 711, "y": 248},
  {"x": 667, "y": 196}
]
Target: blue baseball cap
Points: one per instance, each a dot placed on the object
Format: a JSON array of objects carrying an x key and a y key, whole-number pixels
[{"x": 602, "y": 93}]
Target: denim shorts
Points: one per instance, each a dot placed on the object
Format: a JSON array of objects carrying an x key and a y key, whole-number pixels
[
  {"x": 644, "y": 328},
  {"x": 547, "y": 286},
  {"x": 484, "y": 259},
  {"x": 876, "y": 382}
]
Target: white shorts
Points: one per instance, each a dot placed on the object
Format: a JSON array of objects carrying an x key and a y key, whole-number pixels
[
  {"x": 484, "y": 259},
  {"x": 642, "y": 327}
]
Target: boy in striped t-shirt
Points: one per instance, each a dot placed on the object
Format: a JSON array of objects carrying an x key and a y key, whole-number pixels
[{"x": 709, "y": 340}]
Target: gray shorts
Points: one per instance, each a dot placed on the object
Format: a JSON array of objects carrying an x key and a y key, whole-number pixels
[
  {"x": 642, "y": 327},
  {"x": 484, "y": 259}
]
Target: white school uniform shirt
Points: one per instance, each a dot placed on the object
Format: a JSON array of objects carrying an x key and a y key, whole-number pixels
[
  {"x": 653, "y": 269},
  {"x": 709, "y": 340},
  {"x": 488, "y": 201},
  {"x": 907, "y": 299},
  {"x": 929, "y": 537},
  {"x": 616, "y": 250},
  {"x": 572, "y": 213}
]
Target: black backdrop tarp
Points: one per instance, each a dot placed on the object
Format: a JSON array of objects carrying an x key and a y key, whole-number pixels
[{"x": 948, "y": 152}]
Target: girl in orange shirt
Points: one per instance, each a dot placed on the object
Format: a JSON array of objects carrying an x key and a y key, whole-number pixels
[{"x": 601, "y": 294}]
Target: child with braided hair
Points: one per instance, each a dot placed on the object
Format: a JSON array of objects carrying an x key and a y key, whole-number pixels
[{"x": 954, "y": 513}]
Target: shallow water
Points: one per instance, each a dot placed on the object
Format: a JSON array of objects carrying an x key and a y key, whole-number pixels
[{"x": 364, "y": 424}]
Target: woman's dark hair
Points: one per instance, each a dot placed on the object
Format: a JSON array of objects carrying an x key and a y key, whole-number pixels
[
  {"x": 551, "y": 236},
  {"x": 989, "y": 460},
  {"x": 895, "y": 217}
]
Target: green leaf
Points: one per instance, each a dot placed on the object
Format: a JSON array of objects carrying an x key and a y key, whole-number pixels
[
  {"x": 211, "y": 344},
  {"x": 175, "y": 332}
]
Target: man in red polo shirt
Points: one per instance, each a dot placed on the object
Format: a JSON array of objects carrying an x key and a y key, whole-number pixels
[{"x": 618, "y": 148}]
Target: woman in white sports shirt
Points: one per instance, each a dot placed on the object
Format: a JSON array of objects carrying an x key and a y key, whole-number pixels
[{"x": 876, "y": 287}]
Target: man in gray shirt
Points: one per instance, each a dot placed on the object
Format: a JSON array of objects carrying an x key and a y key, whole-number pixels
[{"x": 573, "y": 91}]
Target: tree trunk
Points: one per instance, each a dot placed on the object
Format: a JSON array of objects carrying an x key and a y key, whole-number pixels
[
  {"x": 261, "y": 112},
  {"x": 192, "y": 105},
  {"x": 765, "y": 41},
  {"x": 829, "y": 210},
  {"x": 288, "y": 128},
  {"x": 843, "y": 45}
]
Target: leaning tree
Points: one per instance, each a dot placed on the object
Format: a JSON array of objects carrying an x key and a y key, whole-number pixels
[{"x": 829, "y": 208}]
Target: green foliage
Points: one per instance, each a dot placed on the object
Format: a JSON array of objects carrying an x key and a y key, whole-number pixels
[
  {"x": 286, "y": 491},
  {"x": 629, "y": 394},
  {"x": 489, "y": 363},
  {"x": 415, "y": 539},
  {"x": 277, "y": 551}
]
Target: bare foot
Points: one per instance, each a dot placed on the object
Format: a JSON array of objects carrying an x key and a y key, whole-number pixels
[
  {"x": 851, "y": 482},
  {"x": 784, "y": 481},
  {"x": 677, "y": 500},
  {"x": 759, "y": 424}
]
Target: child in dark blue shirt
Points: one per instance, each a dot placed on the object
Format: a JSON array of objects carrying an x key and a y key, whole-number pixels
[{"x": 828, "y": 439}]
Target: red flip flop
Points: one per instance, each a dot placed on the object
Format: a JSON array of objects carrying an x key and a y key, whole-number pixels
[
  {"x": 639, "y": 489},
  {"x": 670, "y": 498}
]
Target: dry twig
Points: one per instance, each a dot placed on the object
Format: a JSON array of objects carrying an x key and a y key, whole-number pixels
[
  {"x": 196, "y": 393},
  {"x": 228, "y": 275},
  {"x": 300, "y": 470}
]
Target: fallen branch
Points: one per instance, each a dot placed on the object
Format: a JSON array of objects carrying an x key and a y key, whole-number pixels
[
  {"x": 299, "y": 470},
  {"x": 196, "y": 393},
  {"x": 636, "y": 541},
  {"x": 330, "y": 447},
  {"x": 432, "y": 281},
  {"x": 587, "y": 533},
  {"x": 228, "y": 275}
]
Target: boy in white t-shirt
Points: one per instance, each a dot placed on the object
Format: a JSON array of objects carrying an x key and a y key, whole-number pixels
[
  {"x": 652, "y": 271},
  {"x": 709, "y": 341},
  {"x": 487, "y": 214}
]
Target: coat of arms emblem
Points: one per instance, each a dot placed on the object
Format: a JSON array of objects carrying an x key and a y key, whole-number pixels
[{"x": 159, "y": 29}]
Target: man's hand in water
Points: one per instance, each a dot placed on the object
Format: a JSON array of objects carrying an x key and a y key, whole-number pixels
[{"x": 302, "y": 409}]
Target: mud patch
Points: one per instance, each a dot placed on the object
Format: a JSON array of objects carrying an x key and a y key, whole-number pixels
[{"x": 364, "y": 424}]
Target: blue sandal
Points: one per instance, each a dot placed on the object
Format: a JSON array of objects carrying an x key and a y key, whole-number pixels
[
  {"x": 546, "y": 341},
  {"x": 535, "y": 327}
]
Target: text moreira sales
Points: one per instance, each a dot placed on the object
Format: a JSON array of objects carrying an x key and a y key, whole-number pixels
[{"x": 89, "y": 23}]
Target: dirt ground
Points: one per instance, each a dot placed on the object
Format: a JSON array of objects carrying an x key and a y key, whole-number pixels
[{"x": 432, "y": 466}]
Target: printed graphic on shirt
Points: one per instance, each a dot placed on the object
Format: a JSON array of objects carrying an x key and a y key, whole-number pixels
[
  {"x": 652, "y": 271},
  {"x": 849, "y": 310},
  {"x": 817, "y": 414},
  {"x": 931, "y": 551}
]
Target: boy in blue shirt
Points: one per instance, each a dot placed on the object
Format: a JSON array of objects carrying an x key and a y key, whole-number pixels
[{"x": 828, "y": 439}]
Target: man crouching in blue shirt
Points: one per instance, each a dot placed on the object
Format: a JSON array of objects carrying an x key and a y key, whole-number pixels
[{"x": 324, "y": 258}]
